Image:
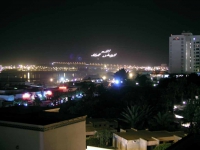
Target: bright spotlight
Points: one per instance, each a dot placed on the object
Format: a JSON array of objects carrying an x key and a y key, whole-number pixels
[
  {"x": 104, "y": 77},
  {"x": 117, "y": 81},
  {"x": 62, "y": 79},
  {"x": 26, "y": 96}
]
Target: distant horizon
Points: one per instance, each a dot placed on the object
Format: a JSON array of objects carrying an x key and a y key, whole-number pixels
[{"x": 115, "y": 62}]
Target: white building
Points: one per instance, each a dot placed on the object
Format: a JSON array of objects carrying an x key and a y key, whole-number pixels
[
  {"x": 25, "y": 131},
  {"x": 184, "y": 53},
  {"x": 144, "y": 140}
]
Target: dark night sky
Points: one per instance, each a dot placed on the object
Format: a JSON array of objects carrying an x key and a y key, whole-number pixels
[{"x": 39, "y": 31}]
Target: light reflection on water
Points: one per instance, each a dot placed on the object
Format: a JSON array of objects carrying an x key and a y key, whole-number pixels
[{"x": 41, "y": 76}]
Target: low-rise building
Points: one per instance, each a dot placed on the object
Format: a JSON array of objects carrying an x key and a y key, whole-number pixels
[
  {"x": 144, "y": 139},
  {"x": 31, "y": 128}
]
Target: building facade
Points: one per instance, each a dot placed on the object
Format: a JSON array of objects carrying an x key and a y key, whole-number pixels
[
  {"x": 184, "y": 53},
  {"x": 132, "y": 139},
  {"x": 57, "y": 135}
]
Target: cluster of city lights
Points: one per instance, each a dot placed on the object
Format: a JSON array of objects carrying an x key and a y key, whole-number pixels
[
  {"x": 73, "y": 66},
  {"x": 104, "y": 54},
  {"x": 32, "y": 95}
]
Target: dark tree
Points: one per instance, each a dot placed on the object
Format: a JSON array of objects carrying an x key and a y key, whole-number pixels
[
  {"x": 143, "y": 80},
  {"x": 122, "y": 74}
]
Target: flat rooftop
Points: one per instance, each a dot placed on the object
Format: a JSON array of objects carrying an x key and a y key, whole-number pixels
[
  {"x": 147, "y": 135},
  {"x": 32, "y": 115}
]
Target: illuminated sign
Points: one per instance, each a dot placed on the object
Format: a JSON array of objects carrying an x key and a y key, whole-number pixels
[{"x": 63, "y": 88}]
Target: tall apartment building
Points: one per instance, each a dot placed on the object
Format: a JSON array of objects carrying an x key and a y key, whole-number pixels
[{"x": 184, "y": 53}]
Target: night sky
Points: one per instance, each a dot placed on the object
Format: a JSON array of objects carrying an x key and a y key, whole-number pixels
[{"x": 39, "y": 31}]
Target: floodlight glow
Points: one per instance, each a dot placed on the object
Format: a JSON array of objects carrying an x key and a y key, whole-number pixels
[
  {"x": 39, "y": 95},
  {"x": 49, "y": 93},
  {"x": 185, "y": 125},
  {"x": 166, "y": 76},
  {"x": 130, "y": 75},
  {"x": 104, "y": 77},
  {"x": 26, "y": 95},
  {"x": 117, "y": 81},
  {"x": 178, "y": 116}
]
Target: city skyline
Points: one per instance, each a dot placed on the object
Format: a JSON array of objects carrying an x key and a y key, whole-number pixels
[{"x": 40, "y": 32}]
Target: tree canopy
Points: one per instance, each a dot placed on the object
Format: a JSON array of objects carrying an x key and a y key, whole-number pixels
[{"x": 122, "y": 74}]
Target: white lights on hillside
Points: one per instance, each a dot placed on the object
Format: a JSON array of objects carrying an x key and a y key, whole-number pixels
[
  {"x": 107, "y": 51},
  {"x": 106, "y": 54},
  {"x": 96, "y": 55},
  {"x": 109, "y": 55}
]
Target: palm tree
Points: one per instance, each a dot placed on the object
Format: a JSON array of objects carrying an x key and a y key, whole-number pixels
[
  {"x": 161, "y": 121},
  {"x": 137, "y": 116},
  {"x": 146, "y": 112},
  {"x": 132, "y": 115}
]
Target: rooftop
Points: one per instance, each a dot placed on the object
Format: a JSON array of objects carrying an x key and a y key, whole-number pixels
[
  {"x": 147, "y": 135},
  {"x": 32, "y": 115}
]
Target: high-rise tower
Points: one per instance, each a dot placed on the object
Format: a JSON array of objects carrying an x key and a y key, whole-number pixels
[{"x": 184, "y": 53}]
